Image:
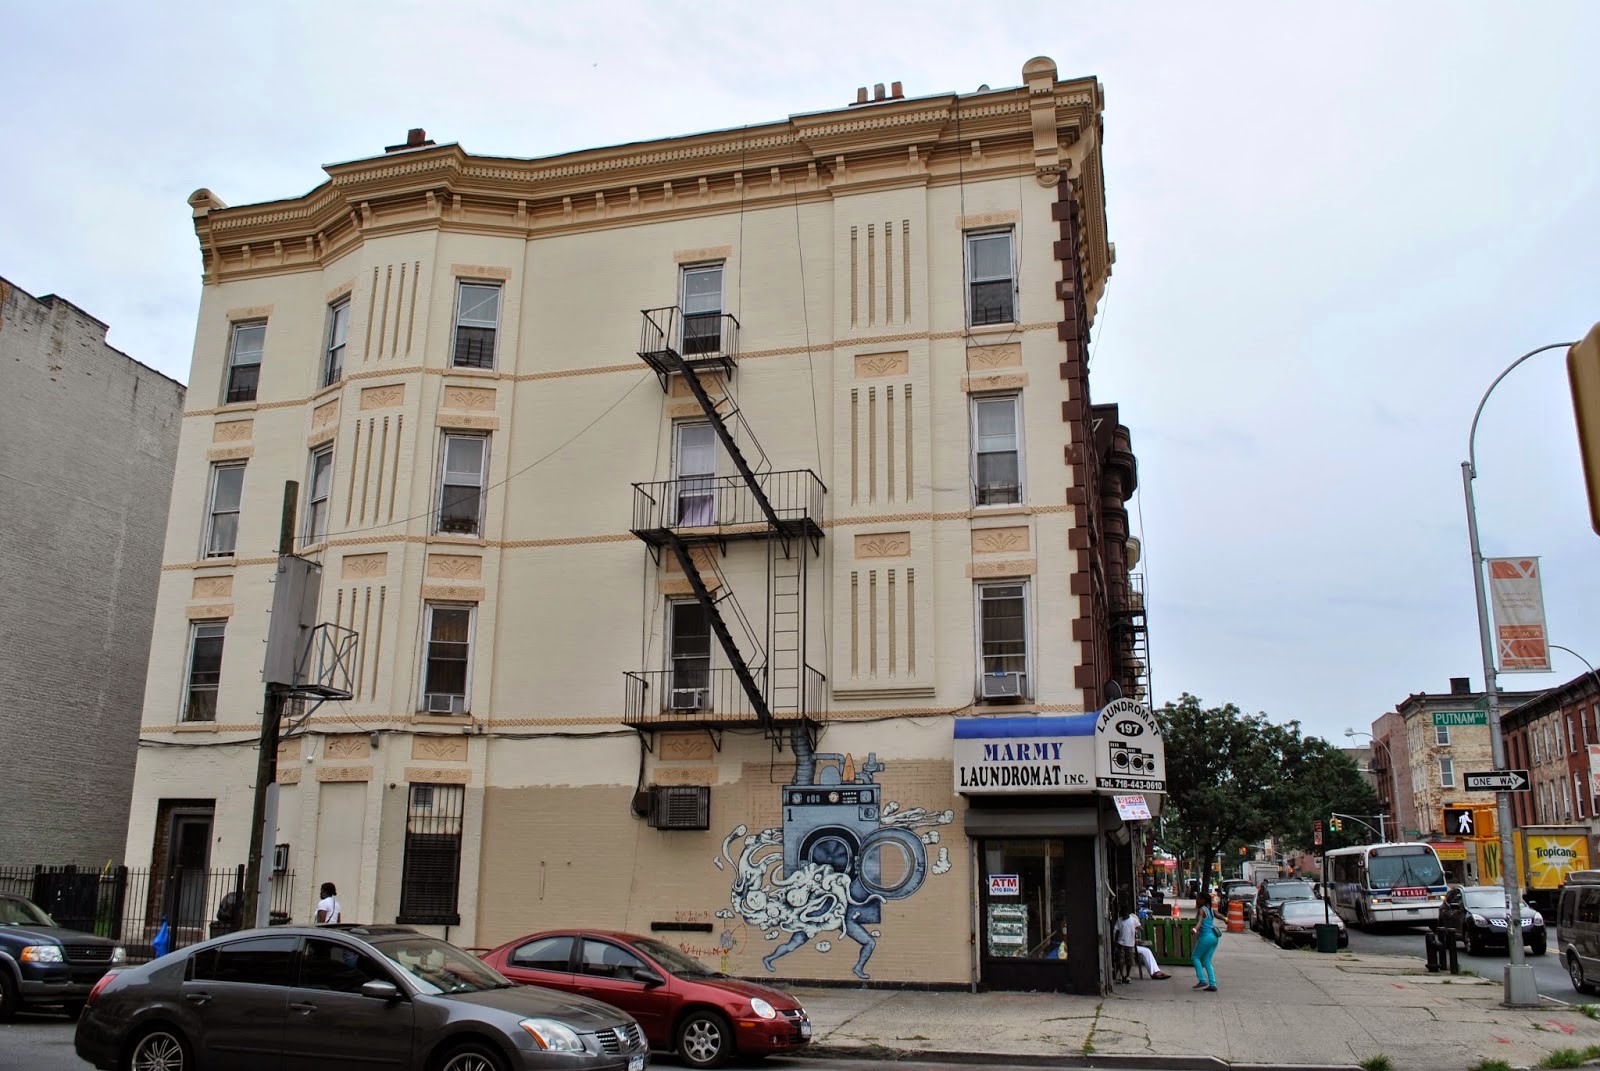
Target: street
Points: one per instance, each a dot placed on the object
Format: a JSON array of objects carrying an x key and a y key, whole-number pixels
[{"x": 1548, "y": 972}]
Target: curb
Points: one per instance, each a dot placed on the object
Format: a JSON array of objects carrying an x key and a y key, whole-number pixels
[{"x": 1127, "y": 1063}]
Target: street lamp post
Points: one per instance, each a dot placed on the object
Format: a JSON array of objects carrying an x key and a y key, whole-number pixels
[
  {"x": 1520, "y": 987},
  {"x": 1385, "y": 800}
]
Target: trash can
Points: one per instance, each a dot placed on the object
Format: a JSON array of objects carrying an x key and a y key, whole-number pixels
[{"x": 1327, "y": 937}]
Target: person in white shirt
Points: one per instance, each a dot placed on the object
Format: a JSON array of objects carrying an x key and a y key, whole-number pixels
[
  {"x": 1129, "y": 945},
  {"x": 328, "y": 911}
]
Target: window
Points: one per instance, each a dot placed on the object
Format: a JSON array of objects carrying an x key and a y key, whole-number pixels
[
  {"x": 1577, "y": 793},
  {"x": 545, "y": 954},
  {"x": 258, "y": 961},
  {"x": 996, "y": 450},
  {"x": 1555, "y": 731},
  {"x": 466, "y": 459},
  {"x": 1538, "y": 760},
  {"x": 702, "y": 309},
  {"x": 1447, "y": 773},
  {"x": 608, "y": 961},
  {"x": 431, "y": 871},
  {"x": 338, "y": 327},
  {"x": 448, "y": 659},
  {"x": 1566, "y": 802},
  {"x": 222, "y": 519},
  {"x": 205, "y": 670},
  {"x": 338, "y": 968},
  {"x": 991, "y": 279},
  {"x": 1003, "y": 639},
  {"x": 244, "y": 361},
  {"x": 477, "y": 321},
  {"x": 321, "y": 484},
  {"x": 694, "y": 467},
  {"x": 689, "y": 655},
  {"x": 1441, "y": 735}
]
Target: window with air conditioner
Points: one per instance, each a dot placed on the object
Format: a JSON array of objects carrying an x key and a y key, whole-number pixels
[
  {"x": 447, "y": 659},
  {"x": 245, "y": 345},
  {"x": 320, "y": 491},
  {"x": 694, "y": 471},
  {"x": 333, "y": 353},
  {"x": 205, "y": 670},
  {"x": 997, "y": 450},
  {"x": 702, "y": 309},
  {"x": 1003, "y": 663},
  {"x": 222, "y": 513},
  {"x": 465, "y": 468},
  {"x": 688, "y": 657},
  {"x": 991, "y": 278},
  {"x": 477, "y": 324}
]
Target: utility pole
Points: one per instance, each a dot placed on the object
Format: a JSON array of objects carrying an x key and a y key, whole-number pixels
[{"x": 257, "y": 907}]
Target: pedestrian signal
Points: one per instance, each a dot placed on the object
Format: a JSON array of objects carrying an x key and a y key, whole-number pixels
[{"x": 1471, "y": 823}]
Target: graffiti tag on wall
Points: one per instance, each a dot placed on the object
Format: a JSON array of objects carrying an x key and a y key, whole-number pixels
[{"x": 840, "y": 854}]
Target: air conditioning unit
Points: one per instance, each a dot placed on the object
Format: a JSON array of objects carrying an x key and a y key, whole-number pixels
[
  {"x": 680, "y": 807},
  {"x": 446, "y": 703},
  {"x": 1002, "y": 686},
  {"x": 689, "y": 699}
]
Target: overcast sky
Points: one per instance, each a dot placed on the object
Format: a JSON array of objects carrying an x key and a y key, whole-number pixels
[{"x": 1335, "y": 225}]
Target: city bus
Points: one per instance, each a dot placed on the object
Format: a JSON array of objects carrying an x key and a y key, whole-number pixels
[{"x": 1384, "y": 884}]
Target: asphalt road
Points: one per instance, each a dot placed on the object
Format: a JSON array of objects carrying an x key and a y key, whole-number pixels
[{"x": 1548, "y": 973}]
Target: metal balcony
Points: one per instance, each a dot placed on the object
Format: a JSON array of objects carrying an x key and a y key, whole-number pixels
[
  {"x": 701, "y": 341},
  {"x": 710, "y": 699},
  {"x": 723, "y": 508}
]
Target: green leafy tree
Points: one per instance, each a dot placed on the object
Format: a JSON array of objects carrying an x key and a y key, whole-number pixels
[
  {"x": 1225, "y": 776},
  {"x": 1321, "y": 779}
]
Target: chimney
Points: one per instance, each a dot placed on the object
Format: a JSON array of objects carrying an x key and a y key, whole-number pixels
[
  {"x": 877, "y": 92},
  {"x": 416, "y": 138},
  {"x": 895, "y": 92},
  {"x": 1460, "y": 685},
  {"x": 861, "y": 94}
]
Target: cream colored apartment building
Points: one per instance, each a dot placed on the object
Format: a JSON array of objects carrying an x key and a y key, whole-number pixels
[{"x": 678, "y": 620}]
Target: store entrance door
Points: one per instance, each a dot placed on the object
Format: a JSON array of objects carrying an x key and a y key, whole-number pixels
[{"x": 1036, "y": 914}]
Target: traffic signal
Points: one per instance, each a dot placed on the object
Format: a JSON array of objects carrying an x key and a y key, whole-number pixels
[
  {"x": 1336, "y": 824},
  {"x": 1243, "y": 850},
  {"x": 1583, "y": 372}
]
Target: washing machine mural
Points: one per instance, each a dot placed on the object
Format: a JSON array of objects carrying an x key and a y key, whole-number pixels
[{"x": 841, "y": 853}]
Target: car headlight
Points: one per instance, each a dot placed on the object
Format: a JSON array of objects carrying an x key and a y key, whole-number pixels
[
  {"x": 553, "y": 1036},
  {"x": 1480, "y": 920},
  {"x": 762, "y": 1008},
  {"x": 119, "y": 955},
  {"x": 1538, "y": 919},
  {"x": 42, "y": 954}
]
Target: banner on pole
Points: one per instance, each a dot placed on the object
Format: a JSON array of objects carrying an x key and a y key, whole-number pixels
[{"x": 1521, "y": 640}]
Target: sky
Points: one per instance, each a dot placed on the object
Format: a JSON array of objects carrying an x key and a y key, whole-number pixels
[{"x": 1335, "y": 224}]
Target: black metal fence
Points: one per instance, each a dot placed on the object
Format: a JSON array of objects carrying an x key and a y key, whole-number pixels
[
  {"x": 129, "y": 904},
  {"x": 664, "y": 698},
  {"x": 725, "y": 505}
]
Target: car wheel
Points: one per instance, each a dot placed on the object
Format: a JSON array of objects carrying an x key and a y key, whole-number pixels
[
  {"x": 1474, "y": 945},
  {"x": 704, "y": 1039},
  {"x": 1575, "y": 972},
  {"x": 1537, "y": 947},
  {"x": 159, "y": 1049},
  {"x": 471, "y": 1058},
  {"x": 8, "y": 996}
]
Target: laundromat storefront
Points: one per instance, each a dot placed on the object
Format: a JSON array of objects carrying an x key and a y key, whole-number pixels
[{"x": 1046, "y": 803}]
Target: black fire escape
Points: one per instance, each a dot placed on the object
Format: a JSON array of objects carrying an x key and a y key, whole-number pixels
[
  {"x": 1130, "y": 638},
  {"x": 692, "y": 520}
]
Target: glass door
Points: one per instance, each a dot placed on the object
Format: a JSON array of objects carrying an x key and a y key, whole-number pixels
[{"x": 1033, "y": 934}]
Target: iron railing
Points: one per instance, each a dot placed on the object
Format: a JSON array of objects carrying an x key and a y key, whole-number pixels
[
  {"x": 662, "y": 698},
  {"x": 725, "y": 507},
  {"x": 697, "y": 338},
  {"x": 129, "y": 904}
]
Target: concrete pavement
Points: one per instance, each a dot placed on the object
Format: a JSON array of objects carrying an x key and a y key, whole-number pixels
[{"x": 1274, "y": 1007}]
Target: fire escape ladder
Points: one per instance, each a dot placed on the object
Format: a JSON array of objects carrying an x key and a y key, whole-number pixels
[
  {"x": 720, "y": 425},
  {"x": 719, "y": 627},
  {"x": 1130, "y": 636},
  {"x": 786, "y": 601}
]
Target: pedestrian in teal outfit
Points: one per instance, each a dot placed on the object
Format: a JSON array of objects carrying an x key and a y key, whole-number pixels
[{"x": 1205, "y": 944}]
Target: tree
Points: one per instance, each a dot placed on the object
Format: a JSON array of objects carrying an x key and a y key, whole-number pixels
[
  {"x": 1321, "y": 779},
  {"x": 1225, "y": 774}
]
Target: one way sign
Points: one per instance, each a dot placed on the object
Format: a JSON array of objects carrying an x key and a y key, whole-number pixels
[{"x": 1497, "y": 781}]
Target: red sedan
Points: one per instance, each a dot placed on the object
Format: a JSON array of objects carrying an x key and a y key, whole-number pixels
[{"x": 683, "y": 1005}]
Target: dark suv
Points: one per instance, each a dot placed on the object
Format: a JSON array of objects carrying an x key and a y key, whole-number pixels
[
  {"x": 41, "y": 963},
  {"x": 1477, "y": 915}
]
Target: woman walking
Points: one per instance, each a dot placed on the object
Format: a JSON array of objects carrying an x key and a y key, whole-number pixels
[{"x": 1205, "y": 944}]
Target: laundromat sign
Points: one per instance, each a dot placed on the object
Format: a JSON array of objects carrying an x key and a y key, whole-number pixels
[
  {"x": 1130, "y": 755},
  {"x": 1025, "y": 754}
]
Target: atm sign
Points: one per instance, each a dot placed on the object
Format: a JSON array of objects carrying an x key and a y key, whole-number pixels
[{"x": 1005, "y": 885}]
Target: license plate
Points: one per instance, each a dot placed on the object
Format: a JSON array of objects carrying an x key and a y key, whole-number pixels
[
  {"x": 636, "y": 1063},
  {"x": 1413, "y": 910},
  {"x": 805, "y": 1031}
]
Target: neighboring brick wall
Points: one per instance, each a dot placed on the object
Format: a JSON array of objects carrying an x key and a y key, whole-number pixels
[{"x": 88, "y": 439}]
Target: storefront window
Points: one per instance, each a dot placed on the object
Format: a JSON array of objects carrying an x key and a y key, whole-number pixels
[{"x": 1025, "y": 899}]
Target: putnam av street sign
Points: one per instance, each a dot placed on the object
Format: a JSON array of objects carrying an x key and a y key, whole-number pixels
[{"x": 1496, "y": 781}]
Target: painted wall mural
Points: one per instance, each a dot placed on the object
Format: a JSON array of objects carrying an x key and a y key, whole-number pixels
[{"x": 839, "y": 856}]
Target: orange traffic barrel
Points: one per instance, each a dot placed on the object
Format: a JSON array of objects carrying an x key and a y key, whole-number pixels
[{"x": 1235, "y": 916}]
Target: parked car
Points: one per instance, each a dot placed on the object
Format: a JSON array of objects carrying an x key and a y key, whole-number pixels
[
  {"x": 308, "y": 999},
  {"x": 683, "y": 1005},
  {"x": 1478, "y": 916},
  {"x": 44, "y": 964},
  {"x": 1297, "y": 921},
  {"x": 1271, "y": 897},
  {"x": 1578, "y": 927}
]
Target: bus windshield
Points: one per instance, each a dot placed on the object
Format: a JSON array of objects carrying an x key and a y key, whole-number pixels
[{"x": 1388, "y": 868}]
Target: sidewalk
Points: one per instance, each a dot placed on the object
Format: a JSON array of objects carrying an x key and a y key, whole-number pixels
[{"x": 1273, "y": 1007}]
